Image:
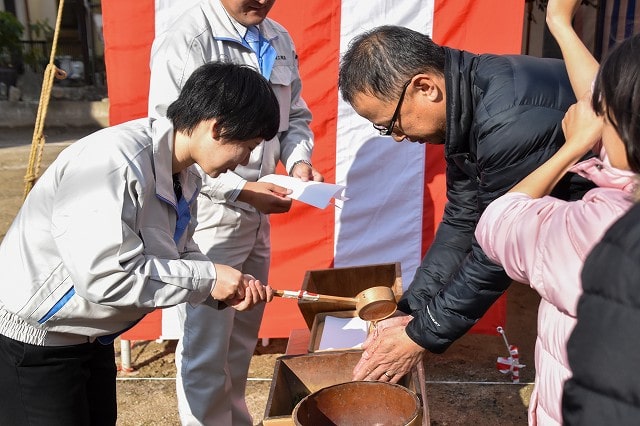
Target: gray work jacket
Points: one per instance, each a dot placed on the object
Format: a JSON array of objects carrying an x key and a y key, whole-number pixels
[
  {"x": 205, "y": 33},
  {"x": 94, "y": 247}
]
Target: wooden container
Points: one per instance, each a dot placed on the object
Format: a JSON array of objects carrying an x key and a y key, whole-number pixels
[
  {"x": 346, "y": 282},
  {"x": 296, "y": 376}
]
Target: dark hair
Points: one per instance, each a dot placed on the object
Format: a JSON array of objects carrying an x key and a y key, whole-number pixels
[
  {"x": 239, "y": 98},
  {"x": 616, "y": 93},
  {"x": 379, "y": 61}
]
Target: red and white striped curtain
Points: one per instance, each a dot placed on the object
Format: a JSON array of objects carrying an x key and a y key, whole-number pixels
[{"x": 396, "y": 191}]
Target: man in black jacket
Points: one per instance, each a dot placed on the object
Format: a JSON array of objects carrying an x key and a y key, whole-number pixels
[{"x": 499, "y": 117}]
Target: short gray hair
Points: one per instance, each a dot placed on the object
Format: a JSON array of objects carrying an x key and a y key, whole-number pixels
[{"x": 378, "y": 62}]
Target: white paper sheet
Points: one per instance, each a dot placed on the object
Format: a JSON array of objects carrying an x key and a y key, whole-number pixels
[
  {"x": 343, "y": 333},
  {"x": 317, "y": 194}
]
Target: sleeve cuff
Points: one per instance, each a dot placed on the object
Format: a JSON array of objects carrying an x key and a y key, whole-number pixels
[
  {"x": 205, "y": 280},
  {"x": 226, "y": 187}
]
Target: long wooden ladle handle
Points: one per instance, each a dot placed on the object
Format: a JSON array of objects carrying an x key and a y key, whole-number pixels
[{"x": 313, "y": 297}]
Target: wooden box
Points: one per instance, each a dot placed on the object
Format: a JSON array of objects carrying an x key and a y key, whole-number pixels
[
  {"x": 296, "y": 376},
  {"x": 346, "y": 282}
]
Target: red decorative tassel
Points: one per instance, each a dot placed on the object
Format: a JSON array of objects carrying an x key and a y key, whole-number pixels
[{"x": 511, "y": 364}]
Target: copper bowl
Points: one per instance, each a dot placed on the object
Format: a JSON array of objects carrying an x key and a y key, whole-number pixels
[{"x": 359, "y": 404}]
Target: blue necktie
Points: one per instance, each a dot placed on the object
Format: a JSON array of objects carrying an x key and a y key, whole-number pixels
[
  {"x": 253, "y": 39},
  {"x": 264, "y": 51},
  {"x": 182, "y": 209}
]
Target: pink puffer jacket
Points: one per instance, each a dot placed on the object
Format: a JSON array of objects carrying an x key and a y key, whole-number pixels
[{"x": 544, "y": 242}]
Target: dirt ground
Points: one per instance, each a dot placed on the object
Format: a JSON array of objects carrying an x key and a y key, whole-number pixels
[{"x": 463, "y": 386}]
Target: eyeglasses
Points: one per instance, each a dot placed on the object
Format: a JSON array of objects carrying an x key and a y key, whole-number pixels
[{"x": 387, "y": 131}]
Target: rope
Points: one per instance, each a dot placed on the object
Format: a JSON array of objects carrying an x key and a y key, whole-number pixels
[{"x": 38, "y": 139}]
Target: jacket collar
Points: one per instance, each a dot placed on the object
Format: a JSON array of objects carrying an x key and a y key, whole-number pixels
[
  {"x": 602, "y": 173},
  {"x": 458, "y": 72},
  {"x": 223, "y": 28},
  {"x": 162, "y": 134}
]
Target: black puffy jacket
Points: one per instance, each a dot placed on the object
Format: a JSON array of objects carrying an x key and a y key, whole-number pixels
[
  {"x": 504, "y": 115},
  {"x": 604, "y": 348}
]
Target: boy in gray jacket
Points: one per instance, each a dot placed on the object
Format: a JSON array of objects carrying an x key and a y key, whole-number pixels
[{"x": 105, "y": 237}]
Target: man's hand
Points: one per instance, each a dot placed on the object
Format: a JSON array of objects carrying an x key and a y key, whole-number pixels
[
  {"x": 305, "y": 173},
  {"x": 238, "y": 290},
  {"x": 229, "y": 283},
  {"x": 389, "y": 353},
  {"x": 254, "y": 293},
  {"x": 266, "y": 197}
]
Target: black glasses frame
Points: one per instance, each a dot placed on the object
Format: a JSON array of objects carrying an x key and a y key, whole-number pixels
[{"x": 388, "y": 131}]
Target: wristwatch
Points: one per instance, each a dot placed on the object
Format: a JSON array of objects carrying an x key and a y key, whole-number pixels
[{"x": 308, "y": 163}]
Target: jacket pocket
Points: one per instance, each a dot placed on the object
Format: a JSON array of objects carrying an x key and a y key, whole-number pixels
[{"x": 281, "y": 78}]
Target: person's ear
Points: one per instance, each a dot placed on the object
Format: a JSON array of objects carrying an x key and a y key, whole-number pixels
[
  {"x": 429, "y": 85},
  {"x": 214, "y": 129}
]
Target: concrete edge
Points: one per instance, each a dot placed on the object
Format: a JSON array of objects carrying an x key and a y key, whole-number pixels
[{"x": 58, "y": 114}]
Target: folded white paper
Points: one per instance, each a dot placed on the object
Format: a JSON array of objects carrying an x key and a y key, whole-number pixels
[
  {"x": 343, "y": 333},
  {"x": 317, "y": 194}
]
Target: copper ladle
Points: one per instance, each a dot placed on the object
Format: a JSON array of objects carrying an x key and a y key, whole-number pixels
[{"x": 372, "y": 304}]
